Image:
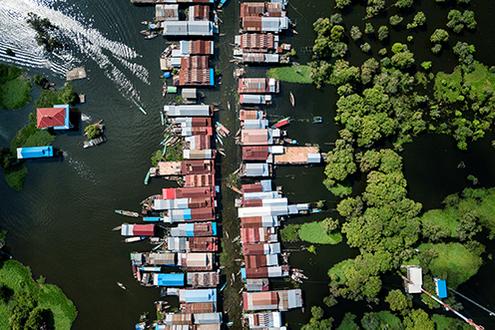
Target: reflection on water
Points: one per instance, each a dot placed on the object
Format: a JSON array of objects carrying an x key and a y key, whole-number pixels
[{"x": 85, "y": 43}]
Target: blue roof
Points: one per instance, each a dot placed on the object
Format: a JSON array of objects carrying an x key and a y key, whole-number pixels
[
  {"x": 171, "y": 279},
  {"x": 441, "y": 288},
  {"x": 67, "y": 124},
  {"x": 214, "y": 228},
  {"x": 201, "y": 295},
  {"x": 212, "y": 77},
  {"x": 34, "y": 152},
  {"x": 243, "y": 274}
]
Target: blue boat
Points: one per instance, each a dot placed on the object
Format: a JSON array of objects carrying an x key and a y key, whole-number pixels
[{"x": 34, "y": 152}]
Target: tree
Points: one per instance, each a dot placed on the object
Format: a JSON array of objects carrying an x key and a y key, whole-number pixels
[
  {"x": 356, "y": 33},
  {"x": 402, "y": 57},
  {"x": 317, "y": 322},
  {"x": 458, "y": 20},
  {"x": 340, "y": 163},
  {"x": 374, "y": 7},
  {"x": 366, "y": 47},
  {"x": 341, "y": 4},
  {"x": 418, "y": 20},
  {"x": 464, "y": 52},
  {"x": 39, "y": 319},
  {"x": 398, "y": 302},
  {"x": 404, "y": 3},
  {"x": 369, "y": 28},
  {"x": 418, "y": 320},
  {"x": 383, "y": 32},
  {"x": 439, "y": 36},
  {"x": 395, "y": 20}
]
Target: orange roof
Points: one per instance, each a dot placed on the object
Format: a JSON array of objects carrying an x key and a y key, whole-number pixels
[{"x": 50, "y": 117}]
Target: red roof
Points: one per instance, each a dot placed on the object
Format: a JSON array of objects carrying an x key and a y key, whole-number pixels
[
  {"x": 143, "y": 230},
  {"x": 50, "y": 117}
]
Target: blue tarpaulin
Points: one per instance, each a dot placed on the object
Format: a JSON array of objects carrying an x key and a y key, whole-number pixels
[
  {"x": 34, "y": 152},
  {"x": 212, "y": 77},
  {"x": 166, "y": 75},
  {"x": 151, "y": 219},
  {"x": 214, "y": 228},
  {"x": 169, "y": 280},
  {"x": 441, "y": 288}
]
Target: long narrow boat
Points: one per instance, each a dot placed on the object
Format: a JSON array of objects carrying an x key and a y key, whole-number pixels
[
  {"x": 292, "y": 99},
  {"x": 282, "y": 122},
  {"x": 127, "y": 213}
]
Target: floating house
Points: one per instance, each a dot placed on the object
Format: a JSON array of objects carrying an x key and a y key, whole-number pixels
[
  {"x": 194, "y": 230},
  {"x": 188, "y": 28},
  {"x": 258, "y": 86},
  {"x": 170, "y": 280},
  {"x": 255, "y": 222},
  {"x": 197, "y": 295},
  {"x": 166, "y": 12},
  {"x": 153, "y": 258},
  {"x": 256, "y": 261},
  {"x": 257, "y": 42},
  {"x": 189, "y": 126},
  {"x": 266, "y": 272},
  {"x": 266, "y": 320},
  {"x": 173, "y": 193},
  {"x": 195, "y": 261},
  {"x": 261, "y": 248},
  {"x": 259, "y": 186},
  {"x": 257, "y": 284},
  {"x": 296, "y": 155},
  {"x": 259, "y": 235},
  {"x": 197, "y": 307},
  {"x": 56, "y": 117},
  {"x": 255, "y": 170},
  {"x": 258, "y": 58},
  {"x": 182, "y": 2},
  {"x": 251, "y": 115},
  {"x": 282, "y": 300},
  {"x": 414, "y": 281},
  {"x": 193, "y": 110},
  {"x": 259, "y": 137},
  {"x": 137, "y": 230},
  {"x": 192, "y": 244},
  {"x": 203, "y": 279},
  {"x": 189, "y": 94},
  {"x": 265, "y": 9},
  {"x": 257, "y": 99},
  {"x": 34, "y": 152},
  {"x": 264, "y": 24},
  {"x": 196, "y": 47}
]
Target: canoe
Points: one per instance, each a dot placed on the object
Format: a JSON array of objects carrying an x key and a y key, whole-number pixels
[
  {"x": 127, "y": 213},
  {"x": 282, "y": 122},
  {"x": 292, "y": 99}
]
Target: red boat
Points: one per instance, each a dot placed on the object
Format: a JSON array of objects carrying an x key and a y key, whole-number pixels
[{"x": 282, "y": 122}]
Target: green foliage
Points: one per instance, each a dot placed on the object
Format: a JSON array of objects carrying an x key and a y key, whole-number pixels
[
  {"x": 380, "y": 320},
  {"x": 383, "y": 32},
  {"x": 418, "y": 20},
  {"x": 15, "y": 88},
  {"x": 459, "y": 20},
  {"x": 290, "y": 233},
  {"x": 92, "y": 131},
  {"x": 452, "y": 261},
  {"x": 439, "y": 36},
  {"x": 340, "y": 190},
  {"x": 340, "y": 163},
  {"x": 320, "y": 232},
  {"x": 156, "y": 157},
  {"x": 356, "y": 33},
  {"x": 426, "y": 65},
  {"x": 418, "y": 319},
  {"x": 374, "y": 7},
  {"x": 348, "y": 322},
  {"x": 395, "y": 20},
  {"x": 366, "y": 47},
  {"x": 317, "y": 322},
  {"x": 15, "y": 177},
  {"x": 449, "y": 323},
  {"x": 398, "y": 302},
  {"x": 402, "y": 57},
  {"x": 341, "y": 4},
  {"x": 31, "y": 136},
  {"x": 30, "y": 299},
  {"x": 300, "y": 74},
  {"x": 49, "y": 98},
  {"x": 404, "y": 3},
  {"x": 369, "y": 28}
]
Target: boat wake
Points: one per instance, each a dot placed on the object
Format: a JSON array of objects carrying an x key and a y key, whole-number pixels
[
  {"x": 84, "y": 43},
  {"x": 80, "y": 168}
]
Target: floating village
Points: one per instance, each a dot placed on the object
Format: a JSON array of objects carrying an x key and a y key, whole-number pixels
[{"x": 183, "y": 223}]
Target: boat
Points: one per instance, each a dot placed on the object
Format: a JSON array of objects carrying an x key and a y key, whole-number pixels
[
  {"x": 116, "y": 228},
  {"x": 317, "y": 119},
  {"x": 122, "y": 286},
  {"x": 164, "y": 89},
  {"x": 134, "y": 239},
  {"x": 151, "y": 35},
  {"x": 127, "y": 213},
  {"x": 145, "y": 32},
  {"x": 221, "y": 3},
  {"x": 282, "y": 122},
  {"x": 292, "y": 99},
  {"x": 145, "y": 22},
  {"x": 94, "y": 142}
]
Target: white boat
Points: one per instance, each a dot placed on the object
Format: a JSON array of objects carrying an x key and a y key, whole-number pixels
[
  {"x": 127, "y": 213},
  {"x": 292, "y": 99},
  {"x": 122, "y": 286},
  {"x": 134, "y": 239}
]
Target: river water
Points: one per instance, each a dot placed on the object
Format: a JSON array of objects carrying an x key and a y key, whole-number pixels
[{"x": 60, "y": 224}]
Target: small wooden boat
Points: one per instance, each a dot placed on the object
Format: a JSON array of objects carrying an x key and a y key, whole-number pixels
[
  {"x": 116, "y": 228},
  {"x": 144, "y": 32},
  {"x": 94, "y": 142},
  {"x": 127, "y": 213},
  {"x": 292, "y": 99},
  {"x": 282, "y": 122},
  {"x": 122, "y": 286},
  {"x": 145, "y": 22}
]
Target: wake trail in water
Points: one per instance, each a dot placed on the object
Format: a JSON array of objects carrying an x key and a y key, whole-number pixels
[
  {"x": 115, "y": 59},
  {"x": 80, "y": 168}
]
